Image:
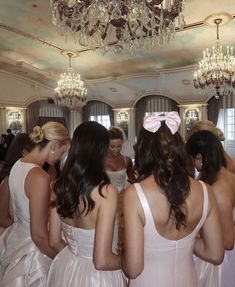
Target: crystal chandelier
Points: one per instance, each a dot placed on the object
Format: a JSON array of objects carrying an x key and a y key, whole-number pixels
[
  {"x": 70, "y": 91},
  {"x": 124, "y": 24},
  {"x": 216, "y": 73}
]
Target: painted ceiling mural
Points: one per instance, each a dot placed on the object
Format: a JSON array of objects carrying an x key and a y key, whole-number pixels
[{"x": 29, "y": 39}]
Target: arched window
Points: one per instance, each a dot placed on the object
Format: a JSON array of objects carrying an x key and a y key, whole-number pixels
[
  {"x": 99, "y": 112},
  {"x": 153, "y": 104},
  {"x": 40, "y": 112},
  {"x": 222, "y": 113}
]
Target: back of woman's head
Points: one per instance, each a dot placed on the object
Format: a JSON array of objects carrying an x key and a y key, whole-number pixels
[
  {"x": 115, "y": 133},
  {"x": 20, "y": 143},
  {"x": 84, "y": 169},
  {"x": 48, "y": 132},
  {"x": 211, "y": 150},
  {"x": 205, "y": 125},
  {"x": 162, "y": 154}
]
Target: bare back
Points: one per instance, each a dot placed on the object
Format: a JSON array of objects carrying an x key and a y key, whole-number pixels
[
  {"x": 160, "y": 208},
  {"x": 88, "y": 221},
  {"x": 224, "y": 191}
]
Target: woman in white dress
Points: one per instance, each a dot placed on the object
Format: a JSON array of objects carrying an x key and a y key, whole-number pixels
[
  {"x": 85, "y": 205},
  {"x": 207, "y": 153},
  {"x": 24, "y": 247},
  {"x": 121, "y": 172},
  {"x": 20, "y": 146}
]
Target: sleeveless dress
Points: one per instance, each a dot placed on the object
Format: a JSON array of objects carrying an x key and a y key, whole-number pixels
[
  {"x": 167, "y": 263},
  {"x": 73, "y": 266},
  {"x": 222, "y": 275},
  {"x": 21, "y": 262},
  {"x": 118, "y": 179},
  {"x": 10, "y": 211}
]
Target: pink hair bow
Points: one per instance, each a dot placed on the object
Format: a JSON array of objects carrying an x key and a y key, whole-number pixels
[{"x": 153, "y": 123}]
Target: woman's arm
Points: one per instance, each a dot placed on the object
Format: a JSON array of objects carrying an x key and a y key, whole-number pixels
[
  {"x": 55, "y": 231},
  {"x": 229, "y": 162},
  {"x": 37, "y": 188},
  {"x": 5, "y": 217},
  {"x": 209, "y": 246},
  {"x": 103, "y": 257},
  {"x": 225, "y": 207},
  {"x": 133, "y": 253}
]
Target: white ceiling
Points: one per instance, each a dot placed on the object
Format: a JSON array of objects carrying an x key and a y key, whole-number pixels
[{"x": 30, "y": 47}]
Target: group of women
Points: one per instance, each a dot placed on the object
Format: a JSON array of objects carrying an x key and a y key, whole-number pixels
[{"x": 81, "y": 230}]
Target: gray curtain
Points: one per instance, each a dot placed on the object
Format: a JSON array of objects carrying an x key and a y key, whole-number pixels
[
  {"x": 32, "y": 116},
  {"x": 40, "y": 112},
  {"x": 214, "y": 106}
]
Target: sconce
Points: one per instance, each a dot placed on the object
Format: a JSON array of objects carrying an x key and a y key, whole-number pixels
[
  {"x": 122, "y": 119},
  {"x": 191, "y": 117}
]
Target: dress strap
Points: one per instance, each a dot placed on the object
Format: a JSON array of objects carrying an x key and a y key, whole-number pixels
[{"x": 144, "y": 204}]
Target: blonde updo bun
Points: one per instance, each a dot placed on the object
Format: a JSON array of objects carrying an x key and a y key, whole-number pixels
[
  {"x": 50, "y": 131},
  {"x": 208, "y": 126},
  {"x": 37, "y": 135}
]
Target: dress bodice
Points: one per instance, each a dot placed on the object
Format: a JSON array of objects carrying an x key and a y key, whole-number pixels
[
  {"x": 21, "y": 262},
  {"x": 163, "y": 256},
  {"x": 19, "y": 200},
  {"x": 118, "y": 178},
  {"x": 80, "y": 241}
]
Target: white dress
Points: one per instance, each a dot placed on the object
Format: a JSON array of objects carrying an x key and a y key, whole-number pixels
[
  {"x": 21, "y": 262},
  {"x": 119, "y": 180},
  {"x": 73, "y": 266},
  {"x": 209, "y": 275}
]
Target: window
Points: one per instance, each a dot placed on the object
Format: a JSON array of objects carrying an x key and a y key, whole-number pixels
[
  {"x": 99, "y": 112},
  {"x": 154, "y": 113},
  {"x": 226, "y": 122},
  {"x": 102, "y": 119}
]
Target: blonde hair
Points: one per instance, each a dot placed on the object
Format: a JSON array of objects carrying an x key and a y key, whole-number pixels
[
  {"x": 208, "y": 126},
  {"x": 50, "y": 131}
]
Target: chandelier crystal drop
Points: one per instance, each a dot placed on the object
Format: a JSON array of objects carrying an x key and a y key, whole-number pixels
[
  {"x": 70, "y": 91},
  {"x": 129, "y": 24},
  {"x": 216, "y": 73}
]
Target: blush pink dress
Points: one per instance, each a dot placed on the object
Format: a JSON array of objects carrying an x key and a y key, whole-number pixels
[
  {"x": 73, "y": 266},
  {"x": 167, "y": 263}
]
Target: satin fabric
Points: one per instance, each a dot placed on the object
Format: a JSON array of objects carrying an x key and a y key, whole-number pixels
[
  {"x": 208, "y": 275},
  {"x": 73, "y": 266},
  {"x": 222, "y": 275},
  {"x": 167, "y": 263},
  {"x": 21, "y": 262}
]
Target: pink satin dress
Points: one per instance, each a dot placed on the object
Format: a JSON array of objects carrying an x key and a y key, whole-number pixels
[
  {"x": 21, "y": 262},
  {"x": 167, "y": 263},
  {"x": 73, "y": 266}
]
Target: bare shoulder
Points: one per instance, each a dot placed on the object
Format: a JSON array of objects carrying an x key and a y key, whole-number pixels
[
  {"x": 223, "y": 188},
  {"x": 108, "y": 191},
  {"x": 130, "y": 197},
  {"x": 37, "y": 173}
]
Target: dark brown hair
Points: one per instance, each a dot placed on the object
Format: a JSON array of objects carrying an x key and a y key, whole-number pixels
[
  {"x": 84, "y": 169},
  {"x": 163, "y": 155}
]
